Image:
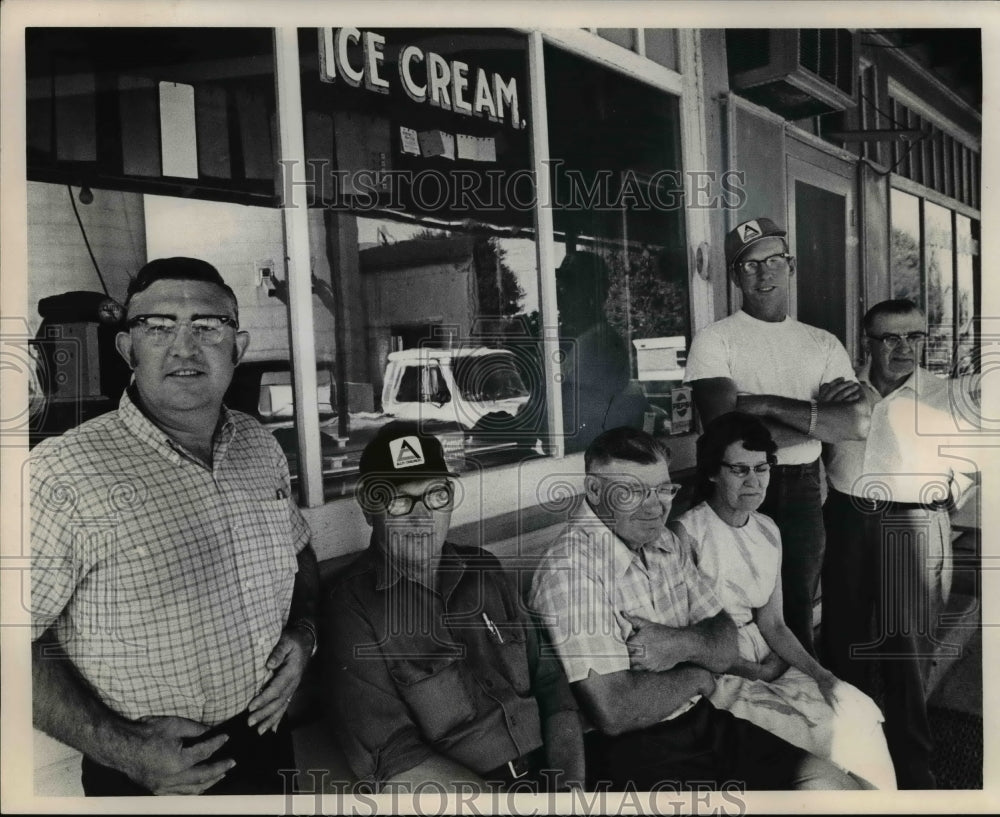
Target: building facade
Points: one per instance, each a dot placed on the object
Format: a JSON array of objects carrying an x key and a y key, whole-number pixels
[{"x": 366, "y": 190}]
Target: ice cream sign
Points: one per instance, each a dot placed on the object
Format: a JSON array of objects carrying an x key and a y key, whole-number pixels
[{"x": 357, "y": 58}]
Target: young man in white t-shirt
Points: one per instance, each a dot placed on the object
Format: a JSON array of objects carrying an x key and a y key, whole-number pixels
[{"x": 799, "y": 380}]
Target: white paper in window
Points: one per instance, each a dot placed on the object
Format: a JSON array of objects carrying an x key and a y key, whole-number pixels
[{"x": 178, "y": 142}]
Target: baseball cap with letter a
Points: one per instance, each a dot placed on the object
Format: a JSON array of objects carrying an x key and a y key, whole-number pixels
[
  {"x": 402, "y": 452},
  {"x": 745, "y": 235}
]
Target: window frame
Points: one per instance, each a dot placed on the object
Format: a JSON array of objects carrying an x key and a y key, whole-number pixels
[
  {"x": 923, "y": 195},
  {"x": 685, "y": 84}
]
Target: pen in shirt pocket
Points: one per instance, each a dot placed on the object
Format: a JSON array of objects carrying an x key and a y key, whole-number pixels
[{"x": 494, "y": 630}]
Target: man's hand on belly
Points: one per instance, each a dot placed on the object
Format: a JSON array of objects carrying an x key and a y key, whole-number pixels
[
  {"x": 288, "y": 661},
  {"x": 159, "y": 758}
]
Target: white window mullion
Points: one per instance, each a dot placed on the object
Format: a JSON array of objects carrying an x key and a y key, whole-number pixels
[
  {"x": 694, "y": 152},
  {"x": 545, "y": 242},
  {"x": 300, "y": 307}
]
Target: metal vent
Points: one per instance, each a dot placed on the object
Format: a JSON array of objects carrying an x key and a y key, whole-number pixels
[{"x": 794, "y": 72}]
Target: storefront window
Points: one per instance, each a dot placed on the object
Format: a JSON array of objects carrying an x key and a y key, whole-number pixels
[
  {"x": 904, "y": 275},
  {"x": 934, "y": 263},
  {"x": 143, "y": 143},
  {"x": 622, "y": 268},
  {"x": 422, "y": 241},
  {"x": 141, "y": 109},
  {"x": 422, "y": 205},
  {"x": 966, "y": 339},
  {"x": 940, "y": 287}
]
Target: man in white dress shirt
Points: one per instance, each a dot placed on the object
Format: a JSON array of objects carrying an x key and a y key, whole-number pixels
[{"x": 889, "y": 535}]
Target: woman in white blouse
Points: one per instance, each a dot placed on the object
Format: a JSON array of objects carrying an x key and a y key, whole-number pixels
[{"x": 775, "y": 682}]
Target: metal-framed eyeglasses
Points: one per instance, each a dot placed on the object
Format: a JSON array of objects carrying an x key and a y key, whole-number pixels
[
  {"x": 773, "y": 263},
  {"x": 161, "y": 330},
  {"x": 436, "y": 497},
  {"x": 892, "y": 341},
  {"x": 742, "y": 470},
  {"x": 632, "y": 494}
]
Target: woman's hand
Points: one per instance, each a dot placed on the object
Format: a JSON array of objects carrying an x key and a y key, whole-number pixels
[
  {"x": 772, "y": 667},
  {"x": 767, "y": 670}
]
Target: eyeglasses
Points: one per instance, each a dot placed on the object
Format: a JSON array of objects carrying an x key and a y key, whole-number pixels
[
  {"x": 742, "y": 470},
  {"x": 773, "y": 263},
  {"x": 892, "y": 341},
  {"x": 160, "y": 330},
  {"x": 632, "y": 495},
  {"x": 436, "y": 498}
]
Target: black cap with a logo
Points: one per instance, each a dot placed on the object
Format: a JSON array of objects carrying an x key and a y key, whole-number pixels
[{"x": 401, "y": 452}]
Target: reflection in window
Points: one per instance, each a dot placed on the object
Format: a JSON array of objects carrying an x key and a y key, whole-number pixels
[
  {"x": 940, "y": 277},
  {"x": 442, "y": 329},
  {"x": 622, "y": 263},
  {"x": 935, "y": 263},
  {"x": 965, "y": 359},
  {"x": 422, "y": 241},
  {"x": 489, "y": 377},
  {"x": 904, "y": 276}
]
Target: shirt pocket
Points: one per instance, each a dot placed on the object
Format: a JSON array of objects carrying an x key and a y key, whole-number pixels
[
  {"x": 435, "y": 693},
  {"x": 514, "y": 655}
]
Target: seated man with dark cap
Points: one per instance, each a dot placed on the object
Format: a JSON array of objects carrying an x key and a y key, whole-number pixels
[{"x": 432, "y": 661}]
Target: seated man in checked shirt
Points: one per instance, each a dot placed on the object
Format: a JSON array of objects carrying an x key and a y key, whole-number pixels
[
  {"x": 173, "y": 587},
  {"x": 640, "y": 632},
  {"x": 433, "y": 666}
]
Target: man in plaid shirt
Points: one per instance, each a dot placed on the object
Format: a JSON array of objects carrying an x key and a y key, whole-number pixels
[
  {"x": 173, "y": 584},
  {"x": 640, "y": 632}
]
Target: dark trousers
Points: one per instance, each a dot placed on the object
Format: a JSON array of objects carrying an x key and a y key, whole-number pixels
[
  {"x": 886, "y": 579},
  {"x": 705, "y": 748},
  {"x": 794, "y": 502},
  {"x": 258, "y": 759}
]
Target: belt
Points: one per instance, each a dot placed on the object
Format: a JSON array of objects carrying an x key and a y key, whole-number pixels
[
  {"x": 882, "y": 505},
  {"x": 512, "y": 770}
]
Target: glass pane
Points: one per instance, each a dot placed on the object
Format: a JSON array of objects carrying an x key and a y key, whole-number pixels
[
  {"x": 625, "y": 37},
  {"x": 129, "y": 104},
  {"x": 621, "y": 273},
  {"x": 904, "y": 259},
  {"x": 444, "y": 332},
  {"x": 968, "y": 340},
  {"x": 661, "y": 46},
  {"x": 423, "y": 253},
  {"x": 940, "y": 283}
]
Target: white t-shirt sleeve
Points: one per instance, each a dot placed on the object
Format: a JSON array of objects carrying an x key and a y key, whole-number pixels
[
  {"x": 709, "y": 356},
  {"x": 838, "y": 364}
]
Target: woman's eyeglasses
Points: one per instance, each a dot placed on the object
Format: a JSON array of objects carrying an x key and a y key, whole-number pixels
[{"x": 743, "y": 470}]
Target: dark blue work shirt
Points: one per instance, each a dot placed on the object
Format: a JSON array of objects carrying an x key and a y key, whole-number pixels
[{"x": 455, "y": 670}]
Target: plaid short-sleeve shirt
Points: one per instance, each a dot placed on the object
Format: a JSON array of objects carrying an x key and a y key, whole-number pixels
[
  {"x": 589, "y": 577},
  {"x": 167, "y": 583}
]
